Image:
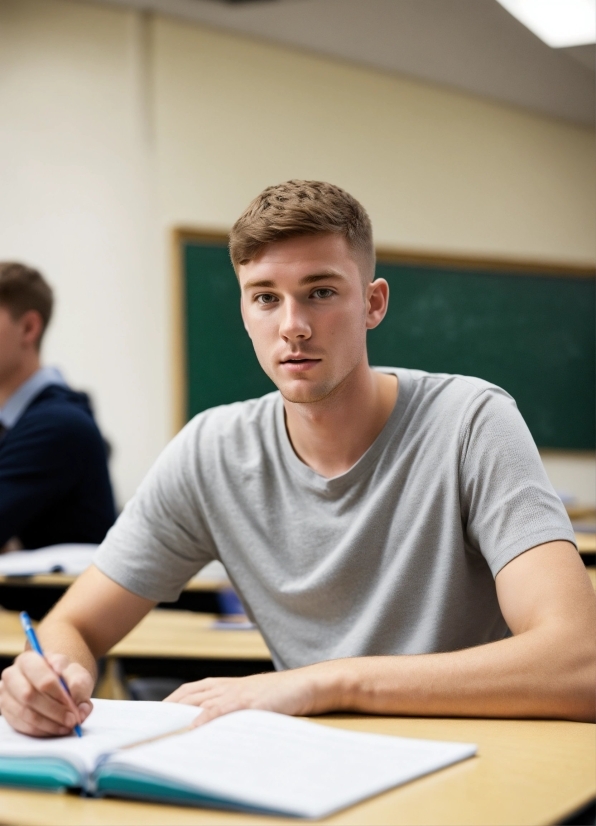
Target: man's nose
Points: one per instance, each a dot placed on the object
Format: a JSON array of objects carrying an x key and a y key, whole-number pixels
[{"x": 294, "y": 321}]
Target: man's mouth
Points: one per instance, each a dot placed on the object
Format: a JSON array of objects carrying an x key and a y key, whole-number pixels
[{"x": 298, "y": 363}]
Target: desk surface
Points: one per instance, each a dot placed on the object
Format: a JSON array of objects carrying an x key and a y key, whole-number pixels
[
  {"x": 526, "y": 772},
  {"x": 586, "y": 542},
  {"x": 165, "y": 633},
  {"x": 170, "y": 633},
  {"x": 65, "y": 580},
  {"x": 162, "y": 633}
]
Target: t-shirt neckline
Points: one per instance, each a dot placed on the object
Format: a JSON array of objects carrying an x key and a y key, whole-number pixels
[{"x": 322, "y": 483}]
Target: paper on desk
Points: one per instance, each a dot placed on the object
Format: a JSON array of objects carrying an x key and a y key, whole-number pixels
[
  {"x": 270, "y": 761},
  {"x": 111, "y": 724},
  {"x": 68, "y": 559}
]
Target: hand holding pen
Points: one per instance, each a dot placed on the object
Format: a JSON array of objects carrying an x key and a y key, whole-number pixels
[{"x": 34, "y": 643}]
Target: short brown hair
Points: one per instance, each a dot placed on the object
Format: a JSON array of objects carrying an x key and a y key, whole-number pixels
[
  {"x": 22, "y": 289},
  {"x": 297, "y": 208}
]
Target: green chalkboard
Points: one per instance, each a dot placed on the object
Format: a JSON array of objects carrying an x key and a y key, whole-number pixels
[{"x": 531, "y": 334}]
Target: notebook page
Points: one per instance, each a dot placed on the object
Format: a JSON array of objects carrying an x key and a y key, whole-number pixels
[
  {"x": 111, "y": 724},
  {"x": 279, "y": 763}
]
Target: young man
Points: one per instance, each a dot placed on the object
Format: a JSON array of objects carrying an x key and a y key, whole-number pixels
[
  {"x": 392, "y": 533},
  {"x": 54, "y": 482}
]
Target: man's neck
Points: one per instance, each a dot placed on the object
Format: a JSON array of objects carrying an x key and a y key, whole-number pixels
[
  {"x": 330, "y": 436},
  {"x": 10, "y": 383}
]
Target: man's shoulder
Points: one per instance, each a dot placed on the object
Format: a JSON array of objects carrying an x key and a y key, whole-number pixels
[
  {"x": 238, "y": 429},
  {"x": 433, "y": 399},
  {"x": 452, "y": 388},
  {"x": 58, "y": 409},
  {"x": 250, "y": 415}
]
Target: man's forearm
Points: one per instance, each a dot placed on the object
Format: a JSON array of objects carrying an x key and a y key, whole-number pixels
[
  {"x": 60, "y": 637},
  {"x": 531, "y": 675}
]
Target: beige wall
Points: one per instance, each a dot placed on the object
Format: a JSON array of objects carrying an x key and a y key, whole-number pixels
[
  {"x": 116, "y": 127},
  {"x": 436, "y": 169}
]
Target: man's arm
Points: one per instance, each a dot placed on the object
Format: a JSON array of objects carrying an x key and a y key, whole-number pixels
[
  {"x": 546, "y": 669},
  {"x": 94, "y": 614}
]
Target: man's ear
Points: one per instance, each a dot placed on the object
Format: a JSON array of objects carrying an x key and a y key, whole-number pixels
[
  {"x": 377, "y": 302},
  {"x": 31, "y": 324}
]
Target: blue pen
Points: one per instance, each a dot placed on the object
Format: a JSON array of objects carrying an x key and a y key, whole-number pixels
[{"x": 34, "y": 643}]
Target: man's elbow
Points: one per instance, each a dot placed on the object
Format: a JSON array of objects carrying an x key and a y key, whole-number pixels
[{"x": 577, "y": 683}]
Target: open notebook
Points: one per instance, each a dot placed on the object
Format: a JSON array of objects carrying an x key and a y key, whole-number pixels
[{"x": 249, "y": 760}]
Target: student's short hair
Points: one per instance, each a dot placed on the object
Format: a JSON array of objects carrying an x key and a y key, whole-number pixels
[
  {"x": 22, "y": 289},
  {"x": 296, "y": 208}
]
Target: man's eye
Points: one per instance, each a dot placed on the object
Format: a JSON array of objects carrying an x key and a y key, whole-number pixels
[
  {"x": 323, "y": 292},
  {"x": 265, "y": 298}
]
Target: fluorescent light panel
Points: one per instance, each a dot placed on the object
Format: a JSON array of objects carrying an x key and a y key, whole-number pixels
[{"x": 558, "y": 23}]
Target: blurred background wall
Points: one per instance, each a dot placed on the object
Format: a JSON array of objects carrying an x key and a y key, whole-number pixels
[{"x": 117, "y": 125}]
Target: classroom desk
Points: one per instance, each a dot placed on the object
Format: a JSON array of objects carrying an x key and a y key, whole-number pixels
[
  {"x": 162, "y": 634},
  {"x": 166, "y": 633},
  {"x": 526, "y": 772},
  {"x": 38, "y": 594},
  {"x": 66, "y": 580},
  {"x": 586, "y": 542}
]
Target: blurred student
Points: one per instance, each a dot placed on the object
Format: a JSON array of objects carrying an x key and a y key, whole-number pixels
[{"x": 54, "y": 481}]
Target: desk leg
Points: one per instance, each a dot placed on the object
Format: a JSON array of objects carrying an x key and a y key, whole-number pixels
[{"x": 112, "y": 683}]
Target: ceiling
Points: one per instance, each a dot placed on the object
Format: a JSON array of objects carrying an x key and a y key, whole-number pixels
[{"x": 471, "y": 45}]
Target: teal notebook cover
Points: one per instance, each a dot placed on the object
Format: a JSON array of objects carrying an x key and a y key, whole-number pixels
[{"x": 40, "y": 773}]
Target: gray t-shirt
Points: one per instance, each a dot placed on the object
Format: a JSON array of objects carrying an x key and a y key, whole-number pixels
[{"x": 396, "y": 556}]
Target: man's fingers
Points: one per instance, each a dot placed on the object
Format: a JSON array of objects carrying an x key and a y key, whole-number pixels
[
  {"x": 184, "y": 691},
  {"x": 58, "y": 662},
  {"x": 205, "y": 717},
  {"x": 34, "y": 685},
  {"x": 26, "y": 695},
  {"x": 28, "y": 721},
  {"x": 51, "y": 692},
  {"x": 39, "y": 675}
]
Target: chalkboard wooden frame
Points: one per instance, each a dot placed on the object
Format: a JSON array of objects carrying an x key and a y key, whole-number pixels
[{"x": 184, "y": 234}]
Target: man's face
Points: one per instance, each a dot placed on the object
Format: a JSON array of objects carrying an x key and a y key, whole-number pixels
[
  {"x": 15, "y": 341},
  {"x": 306, "y": 310}
]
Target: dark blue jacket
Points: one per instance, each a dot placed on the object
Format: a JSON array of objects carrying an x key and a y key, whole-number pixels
[{"x": 54, "y": 481}]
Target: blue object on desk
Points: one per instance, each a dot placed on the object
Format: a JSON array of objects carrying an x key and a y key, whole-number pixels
[
  {"x": 229, "y": 603},
  {"x": 34, "y": 643}
]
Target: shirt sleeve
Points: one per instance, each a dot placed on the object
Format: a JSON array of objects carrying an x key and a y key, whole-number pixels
[
  {"x": 161, "y": 539},
  {"x": 508, "y": 503}
]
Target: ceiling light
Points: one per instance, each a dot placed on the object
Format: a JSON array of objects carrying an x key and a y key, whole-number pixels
[{"x": 558, "y": 23}]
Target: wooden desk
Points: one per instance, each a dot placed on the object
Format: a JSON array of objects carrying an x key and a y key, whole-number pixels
[
  {"x": 586, "y": 542},
  {"x": 185, "y": 634},
  {"x": 38, "y": 594},
  {"x": 526, "y": 772},
  {"x": 162, "y": 634},
  {"x": 66, "y": 580}
]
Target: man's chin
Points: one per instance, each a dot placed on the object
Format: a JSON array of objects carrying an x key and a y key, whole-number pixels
[{"x": 304, "y": 392}]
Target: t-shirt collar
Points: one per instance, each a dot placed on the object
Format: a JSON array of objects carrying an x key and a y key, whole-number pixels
[{"x": 321, "y": 483}]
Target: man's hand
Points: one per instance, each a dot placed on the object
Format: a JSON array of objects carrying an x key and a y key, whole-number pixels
[
  {"x": 33, "y": 701},
  {"x": 301, "y": 691}
]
